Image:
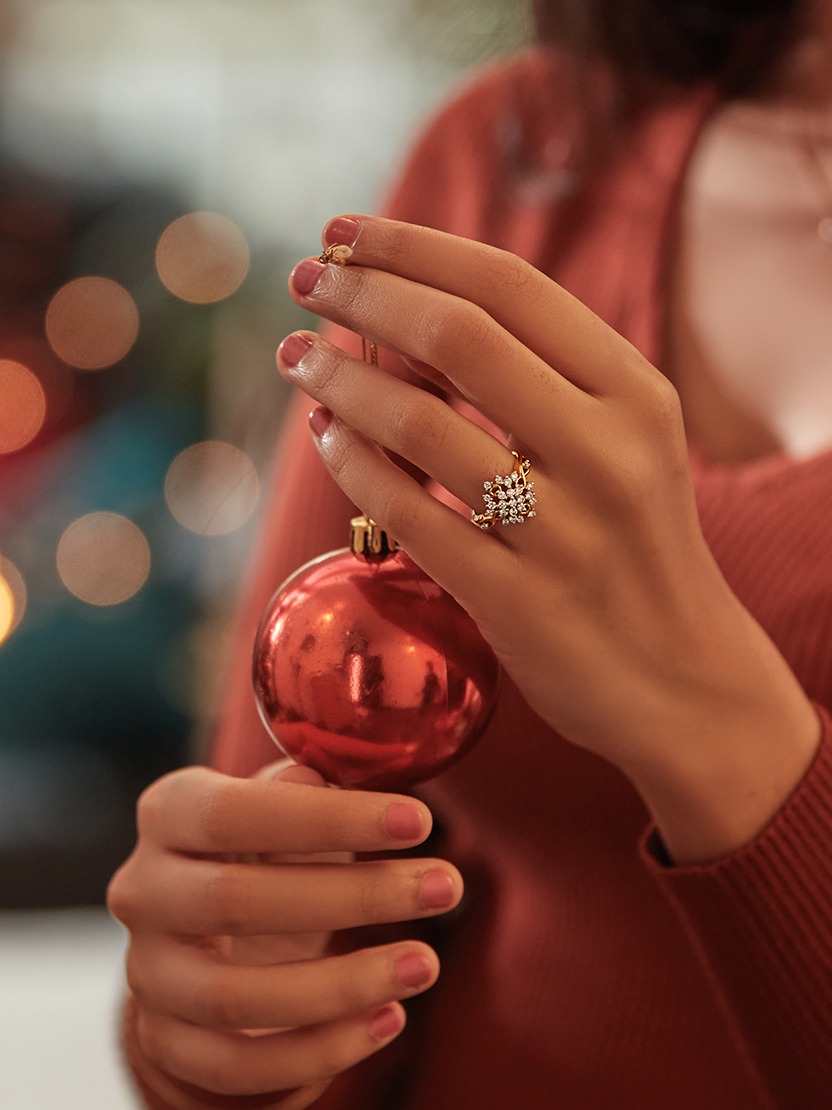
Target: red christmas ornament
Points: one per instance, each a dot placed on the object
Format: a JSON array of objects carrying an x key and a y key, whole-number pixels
[{"x": 367, "y": 671}]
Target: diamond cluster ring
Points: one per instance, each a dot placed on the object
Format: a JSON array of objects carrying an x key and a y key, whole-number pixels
[{"x": 509, "y": 498}]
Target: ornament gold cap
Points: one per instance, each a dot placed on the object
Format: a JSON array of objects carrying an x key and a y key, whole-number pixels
[{"x": 368, "y": 541}]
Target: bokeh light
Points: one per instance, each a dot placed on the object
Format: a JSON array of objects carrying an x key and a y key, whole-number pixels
[
  {"x": 22, "y": 406},
  {"x": 7, "y": 609},
  {"x": 103, "y": 558},
  {"x": 212, "y": 488},
  {"x": 13, "y": 597},
  {"x": 202, "y": 257},
  {"x": 92, "y": 323}
]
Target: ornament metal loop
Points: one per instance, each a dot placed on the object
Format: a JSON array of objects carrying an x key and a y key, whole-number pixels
[{"x": 509, "y": 498}]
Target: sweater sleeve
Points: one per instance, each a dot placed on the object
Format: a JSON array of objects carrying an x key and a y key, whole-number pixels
[{"x": 760, "y": 920}]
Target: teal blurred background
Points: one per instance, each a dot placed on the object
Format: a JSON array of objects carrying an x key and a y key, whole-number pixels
[
  {"x": 163, "y": 164},
  {"x": 133, "y": 330}
]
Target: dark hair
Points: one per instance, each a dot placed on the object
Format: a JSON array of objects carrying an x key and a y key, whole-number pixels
[{"x": 652, "y": 43}]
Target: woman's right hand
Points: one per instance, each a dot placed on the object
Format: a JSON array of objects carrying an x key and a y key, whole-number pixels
[{"x": 231, "y": 896}]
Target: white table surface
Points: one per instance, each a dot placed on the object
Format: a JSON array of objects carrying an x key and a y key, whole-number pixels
[{"x": 60, "y": 984}]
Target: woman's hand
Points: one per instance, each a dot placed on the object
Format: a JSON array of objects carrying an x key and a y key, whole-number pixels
[
  {"x": 231, "y": 896},
  {"x": 607, "y": 608}
]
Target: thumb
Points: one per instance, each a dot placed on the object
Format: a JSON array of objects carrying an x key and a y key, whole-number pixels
[{"x": 285, "y": 770}]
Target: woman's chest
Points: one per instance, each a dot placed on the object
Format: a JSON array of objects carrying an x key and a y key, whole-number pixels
[{"x": 749, "y": 308}]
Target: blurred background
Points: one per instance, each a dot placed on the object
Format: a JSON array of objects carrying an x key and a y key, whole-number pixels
[{"x": 163, "y": 164}]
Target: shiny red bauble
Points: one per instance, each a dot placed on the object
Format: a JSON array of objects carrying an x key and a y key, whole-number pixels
[{"x": 367, "y": 671}]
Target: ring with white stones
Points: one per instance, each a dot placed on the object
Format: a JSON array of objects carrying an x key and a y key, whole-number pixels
[{"x": 509, "y": 498}]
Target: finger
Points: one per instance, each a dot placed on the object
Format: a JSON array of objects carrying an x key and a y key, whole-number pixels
[
  {"x": 446, "y": 545},
  {"x": 190, "y": 983},
  {"x": 403, "y": 418},
  {"x": 488, "y": 366},
  {"x": 242, "y": 1065},
  {"x": 543, "y": 316},
  {"x": 179, "y": 1095},
  {"x": 201, "y": 811},
  {"x": 199, "y": 897},
  {"x": 286, "y": 770}
]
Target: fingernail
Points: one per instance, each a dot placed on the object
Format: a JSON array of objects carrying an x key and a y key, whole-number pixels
[
  {"x": 386, "y": 1023},
  {"x": 341, "y": 231},
  {"x": 413, "y": 970},
  {"x": 293, "y": 348},
  {"x": 436, "y": 890},
  {"x": 306, "y": 276},
  {"x": 403, "y": 822},
  {"x": 319, "y": 420}
]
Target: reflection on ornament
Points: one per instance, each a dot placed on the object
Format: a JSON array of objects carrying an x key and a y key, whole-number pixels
[{"x": 367, "y": 671}]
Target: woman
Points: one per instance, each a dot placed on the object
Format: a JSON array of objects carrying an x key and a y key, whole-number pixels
[{"x": 646, "y": 831}]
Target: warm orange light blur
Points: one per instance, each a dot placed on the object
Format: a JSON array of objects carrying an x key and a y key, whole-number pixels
[
  {"x": 212, "y": 488},
  {"x": 13, "y": 581},
  {"x": 103, "y": 558},
  {"x": 7, "y": 609},
  {"x": 22, "y": 406},
  {"x": 202, "y": 257},
  {"x": 92, "y": 323}
]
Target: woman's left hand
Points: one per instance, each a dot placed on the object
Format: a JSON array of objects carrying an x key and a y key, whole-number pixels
[{"x": 607, "y": 608}]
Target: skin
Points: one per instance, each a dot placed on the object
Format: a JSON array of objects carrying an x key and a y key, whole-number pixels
[
  {"x": 231, "y": 896},
  {"x": 235, "y": 887},
  {"x": 613, "y": 576}
]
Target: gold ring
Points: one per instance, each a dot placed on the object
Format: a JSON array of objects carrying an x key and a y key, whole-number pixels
[{"x": 509, "y": 498}]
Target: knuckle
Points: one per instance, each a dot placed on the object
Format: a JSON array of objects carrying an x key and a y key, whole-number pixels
[
  {"x": 347, "y": 286},
  {"x": 420, "y": 427},
  {"x": 148, "y": 807},
  {"x": 334, "y": 1057},
  {"x": 515, "y": 272},
  {"x": 121, "y": 901},
  {"x": 215, "y": 811},
  {"x": 155, "y": 1046},
  {"x": 218, "y": 1001},
  {"x": 161, "y": 796},
  {"x": 401, "y": 515},
  {"x": 462, "y": 327},
  {"x": 354, "y": 990},
  {"x": 373, "y": 898},
  {"x": 135, "y": 974},
  {"x": 325, "y": 369},
  {"x": 662, "y": 403},
  {"x": 226, "y": 899},
  {"x": 339, "y": 456},
  {"x": 225, "y": 1071},
  {"x": 397, "y": 244}
]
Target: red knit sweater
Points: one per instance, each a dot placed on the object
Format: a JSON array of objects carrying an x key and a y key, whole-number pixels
[{"x": 581, "y": 973}]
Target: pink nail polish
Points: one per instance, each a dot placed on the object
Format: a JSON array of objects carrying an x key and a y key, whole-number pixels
[
  {"x": 436, "y": 890},
  {"x": 306, "y": 276},
  {"x": 413, "y": 970},
  {"x": 319, "y": 420},
  {"x": 403, "y": 822},
  {"x": 385, "y": 1023},
  {"x": 341, "y": 231},
  {"x": 293, "y": 348}
]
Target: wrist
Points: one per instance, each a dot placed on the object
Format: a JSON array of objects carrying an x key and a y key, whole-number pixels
[{"x": 729, "y": 758}]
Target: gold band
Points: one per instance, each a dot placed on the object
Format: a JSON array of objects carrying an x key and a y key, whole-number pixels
[{"x": 509, "y": 498}]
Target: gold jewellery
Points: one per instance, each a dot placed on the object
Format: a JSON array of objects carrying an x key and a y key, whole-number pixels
[
  {"x": 339, "y": 254},
  {"x": 509, "y": 498}
]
